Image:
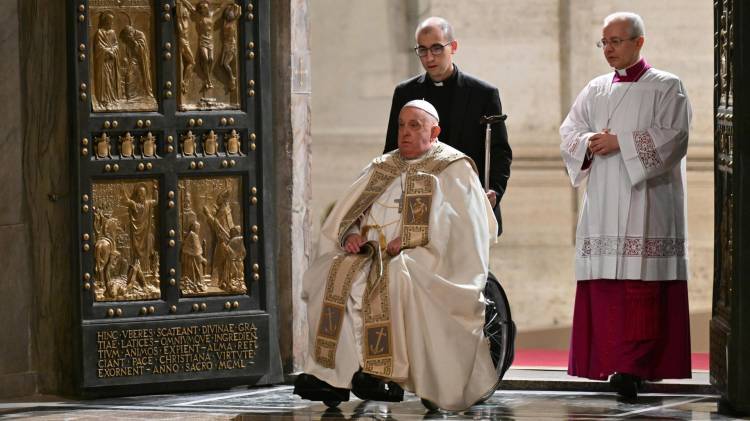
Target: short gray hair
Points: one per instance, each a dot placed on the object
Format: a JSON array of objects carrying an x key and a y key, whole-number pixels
[
  {"x": 637, "y": 28},
  {"x": 436, "y": 22}
]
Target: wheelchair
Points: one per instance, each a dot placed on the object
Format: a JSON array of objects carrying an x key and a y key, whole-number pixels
[{"x": 499, "y": 328}]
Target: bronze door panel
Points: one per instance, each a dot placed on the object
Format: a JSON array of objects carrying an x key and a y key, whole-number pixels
[
  {"x": 172, "y": 118},
  {"x": 122, "y": 40},
  {"x": 207, "y": 45},
  {"x": 126, "y": 259},
  {"x": 213, "y": 247}
]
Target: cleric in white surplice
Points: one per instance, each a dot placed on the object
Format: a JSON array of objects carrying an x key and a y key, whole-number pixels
[
  {"x": 411, "y": 310},
  {"x": 627, "y": 136}
]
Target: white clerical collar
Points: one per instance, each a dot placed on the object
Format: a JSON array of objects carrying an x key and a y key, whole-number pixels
[
  {"x": 624, "y": 72},
  {"x": 444, "y": 81}
]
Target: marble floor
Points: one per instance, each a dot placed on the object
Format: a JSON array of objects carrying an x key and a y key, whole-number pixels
[{"x": 278, "y": 403}]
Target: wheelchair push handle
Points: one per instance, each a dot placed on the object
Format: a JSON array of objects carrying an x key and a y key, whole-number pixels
[{"x": 492, "y": 119}]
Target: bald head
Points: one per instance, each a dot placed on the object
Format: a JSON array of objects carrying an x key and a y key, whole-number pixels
[{"x": 435, "y": 23}]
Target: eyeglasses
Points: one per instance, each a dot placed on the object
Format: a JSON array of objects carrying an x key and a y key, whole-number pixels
[
  {"x": 614, "y": 42},
  {"x": 435, "y": 49}
]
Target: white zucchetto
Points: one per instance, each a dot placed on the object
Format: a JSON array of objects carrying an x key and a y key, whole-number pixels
[{"x": 423, "y": 105}]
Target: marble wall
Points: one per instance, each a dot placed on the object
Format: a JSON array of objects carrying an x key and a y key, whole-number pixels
[
  {"x": 47, "y": 185},
  {"x": 540, "y": 53},
  {"x": 17, "y": 376},
  {"x": 291, "y": 126}
]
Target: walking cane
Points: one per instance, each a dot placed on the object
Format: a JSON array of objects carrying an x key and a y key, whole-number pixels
[{"x": 489, "y": 120}]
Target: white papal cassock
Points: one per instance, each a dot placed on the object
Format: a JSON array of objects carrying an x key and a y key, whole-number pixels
[
  {"x": 434, "y": 291},
  {"x": 633, "y": 222}
]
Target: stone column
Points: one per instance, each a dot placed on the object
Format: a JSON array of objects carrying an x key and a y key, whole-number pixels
[
  {"x": 292, "y": 89},
  {"x": 46, "y": 148},
  {"x": 302, "y": 181},
  {"x": 17, "y": 375}
]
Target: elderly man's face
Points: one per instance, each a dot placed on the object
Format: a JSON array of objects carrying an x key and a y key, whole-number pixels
[
  {"x": 439, "y": 66},
  {"x": 629, "y": 49},
  {"x": 417, "y": 130}
]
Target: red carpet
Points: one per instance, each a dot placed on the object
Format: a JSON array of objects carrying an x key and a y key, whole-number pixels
[{"x": 553, "y": 358}]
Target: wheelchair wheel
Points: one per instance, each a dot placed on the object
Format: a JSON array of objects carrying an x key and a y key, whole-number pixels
[{"x": 498, "y": 327}]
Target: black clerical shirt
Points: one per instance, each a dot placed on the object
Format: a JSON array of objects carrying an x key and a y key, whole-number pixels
[{"x": 440, "y": 95}]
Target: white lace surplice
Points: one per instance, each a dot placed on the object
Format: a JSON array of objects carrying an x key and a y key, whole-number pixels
[{"x": 633, "y": 224}]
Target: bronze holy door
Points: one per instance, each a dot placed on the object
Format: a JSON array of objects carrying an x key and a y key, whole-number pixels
[
  {"x": 730, "y": 321},
  {"x": 172, "y": 157}
]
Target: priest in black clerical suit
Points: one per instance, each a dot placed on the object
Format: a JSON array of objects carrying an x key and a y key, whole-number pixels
[{"x": 462, "y": 99}]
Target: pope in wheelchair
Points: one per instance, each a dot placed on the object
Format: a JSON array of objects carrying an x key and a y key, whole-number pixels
[{"x": 398, "y": 297}]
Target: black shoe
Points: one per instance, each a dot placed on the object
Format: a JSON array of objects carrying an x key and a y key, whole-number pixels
[
  {"x": 626, "y": 385},
  {"x": 312, "y": 388},
  {"x": 367, "y": 387}
]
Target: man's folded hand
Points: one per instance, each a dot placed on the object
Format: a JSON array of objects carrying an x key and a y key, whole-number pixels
[{"x": 353, "y": 243}]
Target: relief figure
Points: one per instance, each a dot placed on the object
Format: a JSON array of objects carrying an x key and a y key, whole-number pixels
[
  {"x": 137, "y": 59},
  {"x": 205, "y": 26},
  {"x": 229, "y": 42},
  {"x": 237, "y": 267},
  {"x": 220, "y": 220},
  {"x": 192, "y": 261},
  {"x": 142, "y": 233},
  {"x": 106, "y": 256},
  {"x": 188, "y": 214},
  {"x": 106, "y": 63},
  {"x": 183, "y": 11}
]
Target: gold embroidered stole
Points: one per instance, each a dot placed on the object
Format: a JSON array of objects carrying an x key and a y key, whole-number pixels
[
  {"x": 418, "y": 190},
  {"x": 344, "y": 268}
]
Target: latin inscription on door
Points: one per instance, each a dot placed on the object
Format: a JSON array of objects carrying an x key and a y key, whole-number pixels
[{"x": 164, "y": 350}]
